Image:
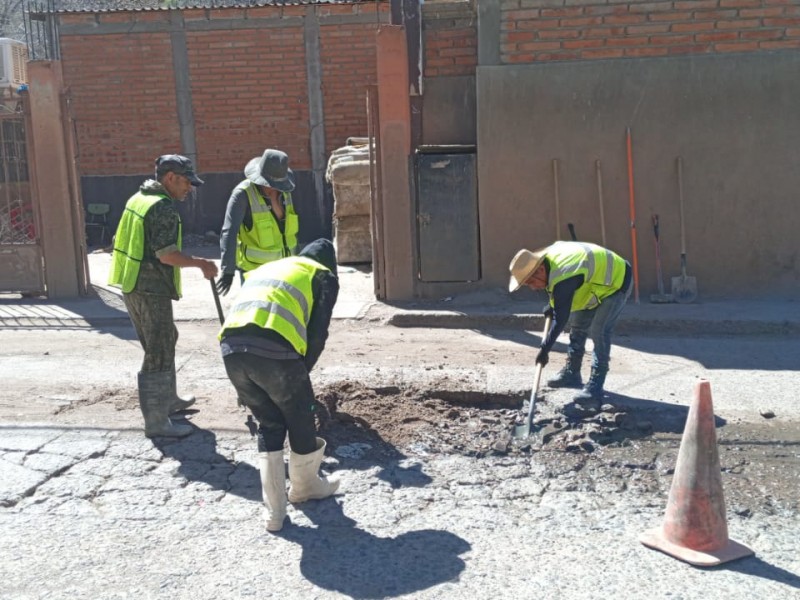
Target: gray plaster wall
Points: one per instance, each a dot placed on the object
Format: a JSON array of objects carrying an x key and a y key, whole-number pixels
[
  {"x": 448, "y": 114},
  {"x": 732, "y": 118}
]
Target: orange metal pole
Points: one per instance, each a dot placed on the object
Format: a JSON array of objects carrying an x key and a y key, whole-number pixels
[{"x": 633, "y": 216}]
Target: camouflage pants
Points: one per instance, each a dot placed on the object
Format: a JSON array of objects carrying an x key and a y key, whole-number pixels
[{"x": 155, "y": 328}]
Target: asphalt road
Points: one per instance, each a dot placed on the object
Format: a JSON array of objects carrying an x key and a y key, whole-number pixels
[{"x": 89, "y": 508}]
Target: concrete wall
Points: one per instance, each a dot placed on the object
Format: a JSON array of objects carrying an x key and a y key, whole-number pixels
[
  {"x": 710, "y": 80},
  {"x": 732, "y": 118}
]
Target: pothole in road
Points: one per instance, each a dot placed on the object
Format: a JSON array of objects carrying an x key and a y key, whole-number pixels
[
  {"x": 630, "y": 444},
  {"x": 431, "y": 421}
]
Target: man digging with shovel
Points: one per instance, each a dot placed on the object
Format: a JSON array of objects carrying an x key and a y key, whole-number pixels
[
  {"x": 587, "y": 283},
  {"x": 270, "y": 341}
]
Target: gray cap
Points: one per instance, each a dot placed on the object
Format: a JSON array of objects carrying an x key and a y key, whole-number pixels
[
  {"x": 180, "y": 165},
  {"x": 271, "y": 169}
]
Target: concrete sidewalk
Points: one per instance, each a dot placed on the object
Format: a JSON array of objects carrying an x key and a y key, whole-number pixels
[{"x": 486, "y": 309}]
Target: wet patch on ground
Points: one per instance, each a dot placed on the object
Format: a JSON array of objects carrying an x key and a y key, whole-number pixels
[
  {"x": 472, "y": 424},
  {"x": 615, "y": 448}
]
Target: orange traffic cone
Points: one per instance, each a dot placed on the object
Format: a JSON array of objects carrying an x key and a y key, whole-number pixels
[{"x": 694, "y": 528}]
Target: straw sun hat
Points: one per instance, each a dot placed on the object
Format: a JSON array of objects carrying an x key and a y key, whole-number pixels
[{"x": 523, "y": 265}]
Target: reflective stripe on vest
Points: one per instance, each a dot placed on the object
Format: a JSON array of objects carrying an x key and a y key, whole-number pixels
[
  {"x": 603, "y": 271},
  {"x": 129, "y": 243},
  {"x": 264, "y": 242},
  {"x": 277, "y": 296}
]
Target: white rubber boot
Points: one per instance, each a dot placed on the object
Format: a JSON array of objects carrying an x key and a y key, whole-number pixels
[
  {"x": 306, "y": 484},
  {"x": 273, "y": 488}
]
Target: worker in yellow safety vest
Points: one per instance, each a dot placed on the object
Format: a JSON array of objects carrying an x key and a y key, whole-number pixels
[
  {"x": 260, "y": 224},
  {"x": 587, "y": 285},
  {"x": 146, "y": 265},
  {"x": 270, "y": 341}
]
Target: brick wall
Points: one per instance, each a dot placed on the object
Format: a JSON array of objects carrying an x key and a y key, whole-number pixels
[
  {"x": 122, "y": 100},
  {"x": 450, "y": 39},
  {"x": 543, "y": 30},
  {"x": 348, "y": 67},
  {"x": 249, "y": 84},
  {"x": 249, "y": 92}
]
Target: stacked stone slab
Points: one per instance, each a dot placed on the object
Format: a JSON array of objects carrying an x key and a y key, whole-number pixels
[{"x": 348, "y": 173}]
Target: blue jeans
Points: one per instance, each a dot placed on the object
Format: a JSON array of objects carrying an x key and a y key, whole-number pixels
[{"x": 597, "y": 323}]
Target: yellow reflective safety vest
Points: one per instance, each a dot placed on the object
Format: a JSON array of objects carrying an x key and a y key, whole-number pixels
[
  {"x": 129, "y": 243},
  {"x": 277, "y": 296},
  {"x": 264, "y": 242},
  {"x": 603, "y": 271}
]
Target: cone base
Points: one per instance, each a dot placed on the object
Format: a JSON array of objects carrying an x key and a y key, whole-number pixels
[{"x": 654, "y": 538}]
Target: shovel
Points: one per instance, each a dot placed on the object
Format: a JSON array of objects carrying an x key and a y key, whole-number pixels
[
  {"x": 217, "y": 302},
  {"x": 524, "y": 430},
  {"x": 660, "y": 297},
  {"x": 684, "y": 288}
]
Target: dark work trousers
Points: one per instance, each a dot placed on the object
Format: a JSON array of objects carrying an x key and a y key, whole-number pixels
[
  {"x": 155, "y": 327},
  {"x": 280, "y": 396}
]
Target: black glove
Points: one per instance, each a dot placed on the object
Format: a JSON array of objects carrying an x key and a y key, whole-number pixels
[
  {"x": 543, "y": 357},
  {"x": 548, "y": 311},
  {"x": 224, "y": 283}
]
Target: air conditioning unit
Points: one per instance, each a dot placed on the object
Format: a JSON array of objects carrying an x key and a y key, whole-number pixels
[{"x": 13, "y": 56}]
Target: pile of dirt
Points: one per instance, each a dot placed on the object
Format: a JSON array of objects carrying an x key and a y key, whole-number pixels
[{"x": 431, "y": 422}]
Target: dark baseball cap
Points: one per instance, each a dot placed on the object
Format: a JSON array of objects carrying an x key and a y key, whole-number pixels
[{"x": 180, "y": 165}]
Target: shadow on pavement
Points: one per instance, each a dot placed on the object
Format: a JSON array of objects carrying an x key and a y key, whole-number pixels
[
  {"x": 357, "y": 446},
  {"x": 665, "y": 418},
  {"x": 756, "y": 567},
  {"x": 200, "y": 461},
  {"x": 90, "y": 313},
  {"x": 339, "y": 556}
]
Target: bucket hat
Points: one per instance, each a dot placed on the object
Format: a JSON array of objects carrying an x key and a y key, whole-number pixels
[
  {"x": 271, "y": 169},
  {"x": 523, "y": 265}
]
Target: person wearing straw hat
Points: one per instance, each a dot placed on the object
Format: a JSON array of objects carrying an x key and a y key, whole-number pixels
[
  {"x": 587, "y": 285},
  {"x": 260, "y": 224}
]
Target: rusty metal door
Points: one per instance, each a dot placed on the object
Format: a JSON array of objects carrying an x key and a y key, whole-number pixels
[
  {"x": 447, "y": 215},
  {"x": 21, "y": 265}
]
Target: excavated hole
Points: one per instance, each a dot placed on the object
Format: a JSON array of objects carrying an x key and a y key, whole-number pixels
[{"x": 430, "y": 421}]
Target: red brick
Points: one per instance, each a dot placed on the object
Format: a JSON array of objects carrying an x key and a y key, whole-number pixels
[
  {"x": 779, "y": 45},
  {"x": 690, "y": 49},
  {"x": 736, "y": 47},
  {"x": 739, "y": 24},
  {"x": 781, "y": 22},
  {"x": 602, "y": 53},
  {"x": 627, "y": 41},
  {"x": 762, "y": 34},
  {"x": 671, "y": 39},
  {"x": 646, "y": 51},
  {"x": 720, "y": 36},
  {"x": 692, "y": 27}
]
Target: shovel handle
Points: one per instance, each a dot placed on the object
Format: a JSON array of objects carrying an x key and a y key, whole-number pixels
[
  {"x": 537, "y": 378},
  {"x": 217, "y": 302},
  {"x": 679, "y": 162},
  {"x": 632, "y": 208}
]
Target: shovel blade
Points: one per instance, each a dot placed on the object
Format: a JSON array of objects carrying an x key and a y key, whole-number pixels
[
  {"x": 684, "y": 289},
  {"x": 522, "y": 431}
]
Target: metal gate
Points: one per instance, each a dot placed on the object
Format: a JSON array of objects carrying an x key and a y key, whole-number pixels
[
  {"x": 21, "y": 265},
  {"x": 447, "y": 214}
]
